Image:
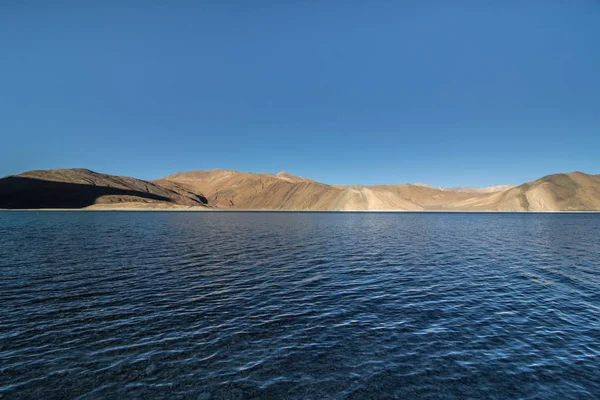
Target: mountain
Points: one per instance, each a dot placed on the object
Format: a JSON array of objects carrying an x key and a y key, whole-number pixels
[
  {"x": 487, "y": 189},
  {"x": 245, "y": 190},
  {"x": 79, "y": 188},
  {"x": 470, "y": 189},
  {"x": 574, "y": 191},
  {"x": 228, "y": 189}
]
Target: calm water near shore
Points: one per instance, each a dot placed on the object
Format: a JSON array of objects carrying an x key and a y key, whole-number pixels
[{"x": 299, "y": 305}]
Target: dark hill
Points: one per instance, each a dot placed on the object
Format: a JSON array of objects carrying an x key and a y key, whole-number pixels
[{"x": 79, "y": 188}]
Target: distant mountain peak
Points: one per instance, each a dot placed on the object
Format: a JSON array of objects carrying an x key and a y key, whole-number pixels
[{"x": 468, "y": 189}]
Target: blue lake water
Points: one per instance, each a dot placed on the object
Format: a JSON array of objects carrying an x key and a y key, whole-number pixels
[{"x": 211, "y": 305}]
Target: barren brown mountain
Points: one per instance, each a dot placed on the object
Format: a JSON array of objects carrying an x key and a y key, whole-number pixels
[
  {"x": 245, "y": 190},
  {"x": 227, "y": 189},
  {"x": 79, "y": 188},
  {"x": 242, "y": 190},
  {"x": 574, "y": 191}
]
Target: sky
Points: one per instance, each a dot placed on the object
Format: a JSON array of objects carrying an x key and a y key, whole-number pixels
[{"x": 469, "y": 93}]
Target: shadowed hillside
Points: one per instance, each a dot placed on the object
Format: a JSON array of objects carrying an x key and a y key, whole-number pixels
[
  {"x": 79, "y": 188},
  {"x": 20, "y": 192}
]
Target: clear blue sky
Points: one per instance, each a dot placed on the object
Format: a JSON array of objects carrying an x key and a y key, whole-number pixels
[{"x": 473, "y": 93}]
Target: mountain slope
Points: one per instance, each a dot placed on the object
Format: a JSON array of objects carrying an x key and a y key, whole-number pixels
[
  {"x": 469, "y": 189},
  {"x": 79, "y": 188},
  {"x": 245, "y": 190},
  {"x": 227, "y": 189},
  {"x": 428, "y": 198},
  {"x": 574, "y": 191},
  {"x": 242, "y": 190}
]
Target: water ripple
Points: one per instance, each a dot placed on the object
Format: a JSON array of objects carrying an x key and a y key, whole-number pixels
[{"x": 299, "y": 305}]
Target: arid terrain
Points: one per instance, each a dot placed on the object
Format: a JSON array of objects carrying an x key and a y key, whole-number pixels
[
  {"x": 82, "y": 188},
  {"x": 232, "y": 190}
]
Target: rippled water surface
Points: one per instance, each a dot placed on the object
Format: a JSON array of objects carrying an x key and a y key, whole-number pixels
[{"x": 299, "y": 305}]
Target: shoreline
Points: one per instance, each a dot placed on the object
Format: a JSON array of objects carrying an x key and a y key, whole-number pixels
[{"x": 289, "y": 211}]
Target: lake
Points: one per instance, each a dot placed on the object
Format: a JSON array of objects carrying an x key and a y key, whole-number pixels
[{"x": 242, "y": 305}]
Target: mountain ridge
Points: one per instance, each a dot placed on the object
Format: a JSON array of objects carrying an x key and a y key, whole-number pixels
[
  {"x": 223, "y": 189},
  {"x": 469, "y": 189}
]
